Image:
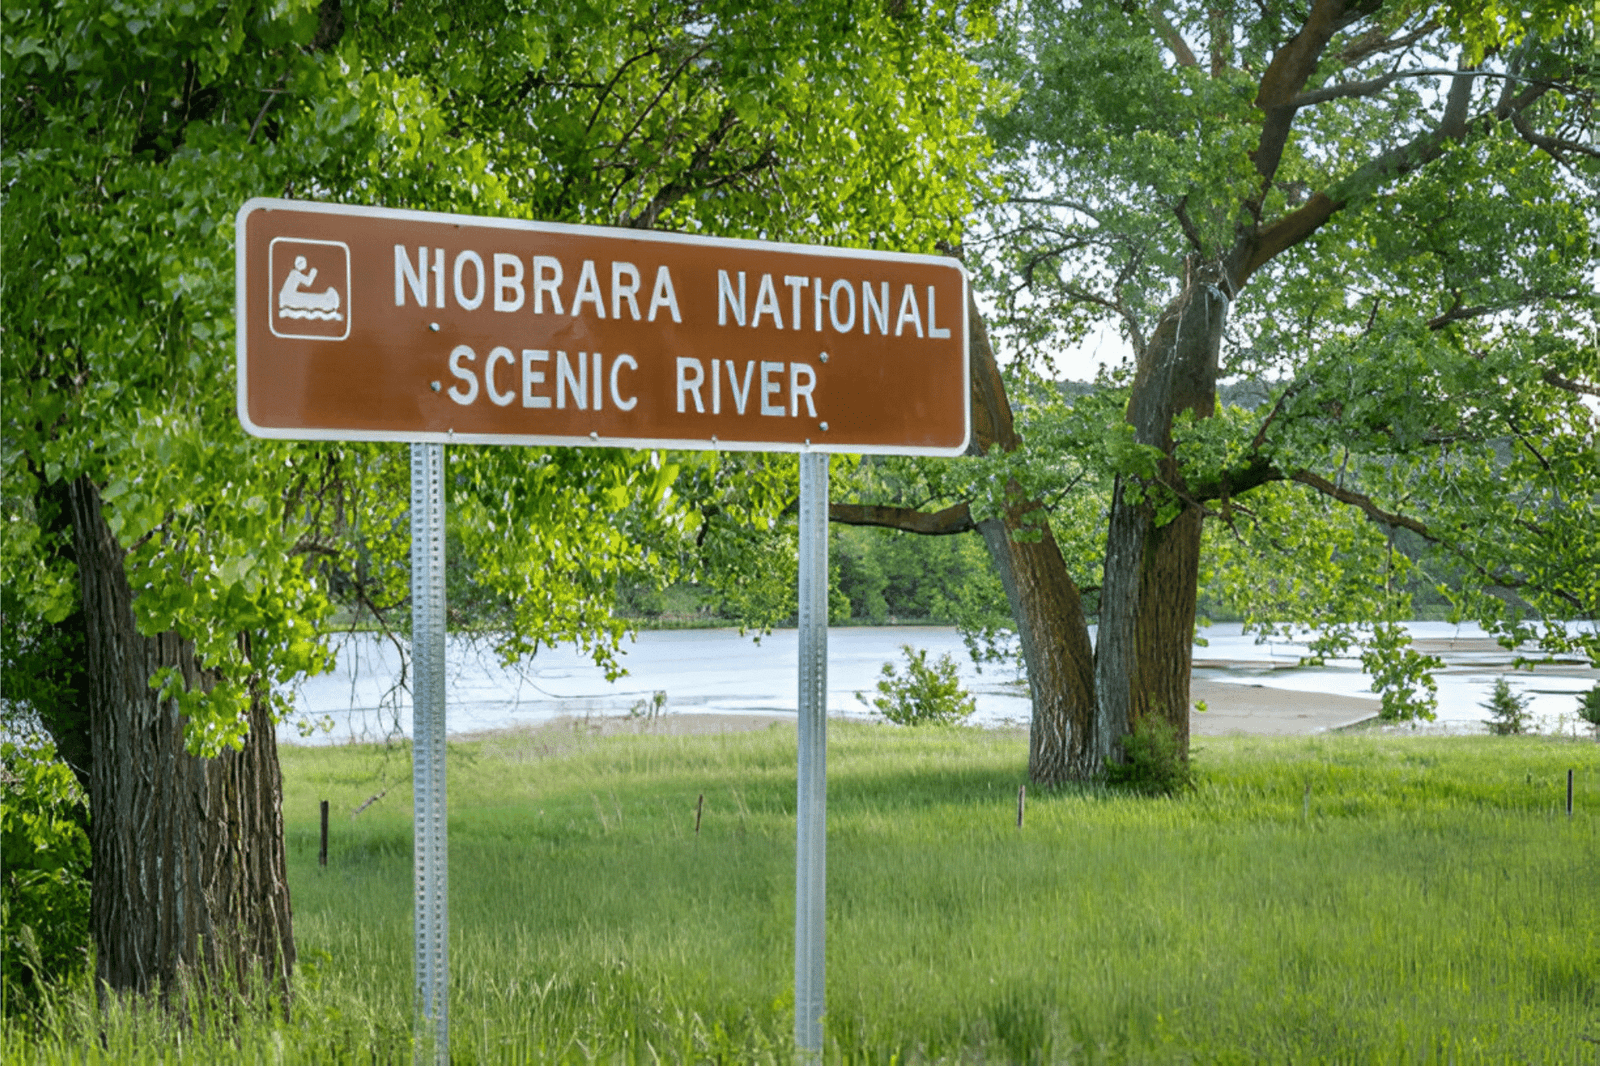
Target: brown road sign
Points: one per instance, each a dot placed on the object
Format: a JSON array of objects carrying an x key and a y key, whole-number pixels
[{"x": 359, "y": 323}]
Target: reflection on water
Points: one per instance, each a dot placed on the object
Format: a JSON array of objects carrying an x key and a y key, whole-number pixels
[{"x": 718, "y": 671}]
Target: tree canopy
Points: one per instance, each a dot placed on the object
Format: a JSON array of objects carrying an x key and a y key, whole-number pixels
[
  {"x": 134, "y": 133},
  {"x": 1378, "y": 224},
  {"x": 133, "y": 137}
]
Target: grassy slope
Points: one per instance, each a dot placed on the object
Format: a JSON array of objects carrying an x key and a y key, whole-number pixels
[{"x": 1435, "y": 905}]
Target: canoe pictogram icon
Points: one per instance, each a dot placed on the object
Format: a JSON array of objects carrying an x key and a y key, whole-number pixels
[
  {"x": 295, "y": 302},
  {"x": 310, "y": 294}
]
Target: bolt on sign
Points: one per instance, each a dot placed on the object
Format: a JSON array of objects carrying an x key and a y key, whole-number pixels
[{"x": 360, "y": 323}]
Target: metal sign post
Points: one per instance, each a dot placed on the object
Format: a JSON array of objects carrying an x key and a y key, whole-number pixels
[
  {"x": 430, "y": 850},
  {"x": 811, "y": 808}
]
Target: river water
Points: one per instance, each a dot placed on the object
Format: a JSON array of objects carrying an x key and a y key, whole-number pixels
[{"x": 717, "y": 671}]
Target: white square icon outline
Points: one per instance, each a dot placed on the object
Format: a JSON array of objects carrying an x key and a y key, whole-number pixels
[{"x": 272, "y": 294}]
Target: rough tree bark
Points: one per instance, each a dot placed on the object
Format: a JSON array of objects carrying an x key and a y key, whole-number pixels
[
  {"x": 188, "y": 852},
  {"x": 1147, "y": 599},
  {"x": 1044, "y": 600}
]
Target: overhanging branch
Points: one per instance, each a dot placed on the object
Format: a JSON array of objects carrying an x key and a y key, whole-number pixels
[
  {"x": 1364, "y": 503},
  {"x": 1583, "y": 388},
  {"x": 956, "y": 519}
]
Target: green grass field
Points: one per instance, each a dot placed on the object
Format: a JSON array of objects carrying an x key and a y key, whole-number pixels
[{"x": 1429, "y": 901}]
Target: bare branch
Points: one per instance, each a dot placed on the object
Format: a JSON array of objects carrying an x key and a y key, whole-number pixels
[
  {"x": 272, "y": 94},
  {"x": 956, "y": 519},
  {"x": 1370, "y": 87}
]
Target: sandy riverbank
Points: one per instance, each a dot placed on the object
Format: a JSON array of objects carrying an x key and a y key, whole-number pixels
[{"x": 1249, "y": 710}]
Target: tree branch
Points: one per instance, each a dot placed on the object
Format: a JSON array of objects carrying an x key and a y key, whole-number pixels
[
  {"x": 1555, "y": 147},
  {"x": 1230, "y": 483},
  {"x": 1272, "y": 416},
  {"x": 1375, "y": 42},
  {"x": 1554, "y": 379},
  {"x": 1260, "y": 472},
  {"x": 1258, "y": 249},
  {"x": 956, "y": 519},
  {"x": 1370, "y": 87},
  {"x": 1373, "y": 86},
  {"x": 272, "y": 94},
  {"x": 1181, "y": 209},
  {"x": 1171, "y": 37},
  {"x": 673, "y": 191},
  {"x": 1364, "y": 503},
  {"x": 1286, "y": 75}
]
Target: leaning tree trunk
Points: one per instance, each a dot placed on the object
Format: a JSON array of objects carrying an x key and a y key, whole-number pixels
[
  {"x": 1147, "y": 600},
  {"x": 1044, "y": 599},
  {"x": 1055, "y": 645},
  {"x": 188, "y": 852}
]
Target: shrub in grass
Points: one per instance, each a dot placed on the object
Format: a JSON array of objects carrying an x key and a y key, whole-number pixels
[
  {"x": 1508, "y": 711},
  {"x": 44, "y": 855},
  {"x": 1589, "y": 709},
  {"x": 1154, "y": 762},
  {"x": 925, "y": 694}
]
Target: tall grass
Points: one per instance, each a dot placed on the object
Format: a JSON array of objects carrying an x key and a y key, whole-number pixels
[{"x": 1338, "y": 899}]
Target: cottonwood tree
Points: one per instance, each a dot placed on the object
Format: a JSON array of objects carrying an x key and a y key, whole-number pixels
[
  {"x": 1385, "y": 221},
  {"x": 183, "y": 569}
]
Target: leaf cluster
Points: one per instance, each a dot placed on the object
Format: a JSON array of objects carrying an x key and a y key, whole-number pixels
[{"x": 44, "y": 856}]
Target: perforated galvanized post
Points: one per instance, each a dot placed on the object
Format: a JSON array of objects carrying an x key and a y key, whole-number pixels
[
  {"x": 430, "y": 851},
  {"x": 811, "y": 810}
]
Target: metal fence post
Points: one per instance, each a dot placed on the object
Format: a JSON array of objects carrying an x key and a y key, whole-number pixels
[
  {"x": 429, "y": 827},
  {"x": 811, "y": 810}
]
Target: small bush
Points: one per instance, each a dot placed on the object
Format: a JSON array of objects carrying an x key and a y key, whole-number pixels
[
  {"x": 1154, "y": 762},
  {"x": 1589, "y": 709},
  {"x": 44, "y": 851},
  {"x": 925, "y": 695},
  {"x": 1508, "y": 711},
  {"x": 650, "y": 709}
]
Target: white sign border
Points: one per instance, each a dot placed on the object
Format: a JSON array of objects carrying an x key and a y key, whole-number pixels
[{"x": 591, "y": 440}]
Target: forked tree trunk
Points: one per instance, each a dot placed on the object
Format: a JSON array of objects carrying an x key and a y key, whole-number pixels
[
  {"x": 1147, "y": 600},
  {"x": 188, "y": 852},
  {"x": 1085, "y": 700}
]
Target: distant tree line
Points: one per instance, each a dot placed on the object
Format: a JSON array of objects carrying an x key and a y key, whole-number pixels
[{"x": 879, "y": 577}]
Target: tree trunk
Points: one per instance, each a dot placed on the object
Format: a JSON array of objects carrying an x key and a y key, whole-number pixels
[
  {"x": 1043, "y": 597},
  {"x": 1055, "y": 645},
  {"x": 1147, "y": 600},
  {"x": 188, "y": 852}
]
